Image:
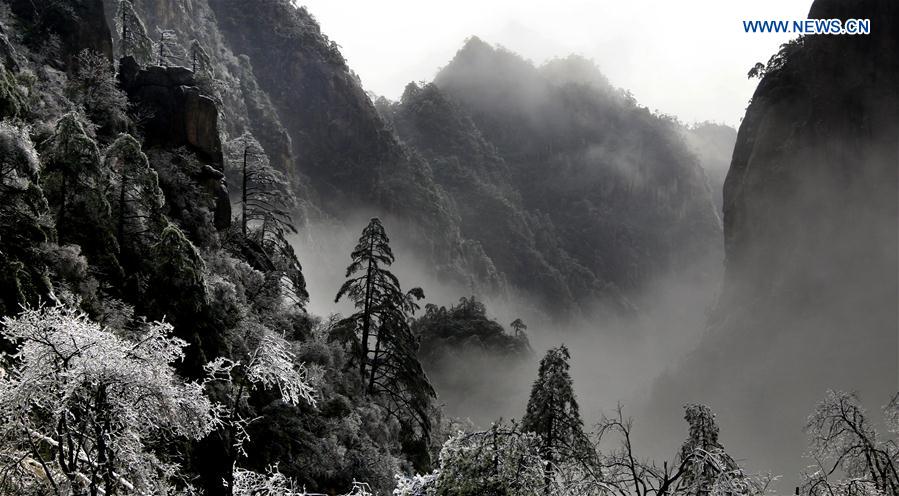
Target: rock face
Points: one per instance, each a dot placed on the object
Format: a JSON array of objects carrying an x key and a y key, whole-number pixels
[
  {"x": 810, "y": 222},
  {"x": 179, "y": 115},
  {"x": 80, "y": 26}
]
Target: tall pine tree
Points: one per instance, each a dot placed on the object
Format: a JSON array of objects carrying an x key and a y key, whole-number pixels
[
  {"x": 371, "y": 287},
  {"x": 553, "y": 414},
  {"x": 383, "y": 342},
  {"x": 265, "y": 222},
  {"x": 73, "y": 182}
]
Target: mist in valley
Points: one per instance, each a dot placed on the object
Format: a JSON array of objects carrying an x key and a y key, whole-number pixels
[
  {"x": 188, "y": 186},
  {"x": 693, "y": 335}
]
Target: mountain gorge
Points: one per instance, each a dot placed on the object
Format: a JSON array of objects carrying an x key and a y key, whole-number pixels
[{"x": 630, "y": 204}]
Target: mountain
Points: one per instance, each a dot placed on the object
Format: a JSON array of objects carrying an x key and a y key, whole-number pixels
[
  {"x": 810, "y": 291},
  {"x": 487, "y": 214},
  {"x": 577, "y": 194}
]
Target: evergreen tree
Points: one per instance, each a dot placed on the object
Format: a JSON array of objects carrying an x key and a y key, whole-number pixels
[
  {"x": 518, "y": 327},
  {"x": 135, "y": 41},
  {"x": 137, "y": 202},
  {"x": 200, "y": 61},
  {"x": 373, "y": 290},
  {"x": 170, "y": 51},
  {"x": 265, "y": 216},
  {"x": 265, "y": 197},
  {"x": 95, "y": 88},
  {"x": 553, "y": 414},
  {"x": 22, "y": 229},
  {"x": 704, "y": 458},
  {"x": 73, "y": 181},
  {"x": 384, "y": 344}
]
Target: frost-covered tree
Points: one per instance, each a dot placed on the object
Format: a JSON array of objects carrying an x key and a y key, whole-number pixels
[
  {"x": 204, "y": 69},
  {"x": 553, "y": 414},
  {"x": 850, "y": 458},
  {"x": 274, "y": 483},
  {"x": 135, "y": 41},
  {"x": 22, "y": 226},
  {"x": 94, "y": 87},
  {"x": 169, "y": 50},
  {"x": 200, "y": 61},
  {"x": 137, "y": 202},
  {"x": 265, "y": 196},
  {"x": 702, "y": 471},
  {"x": 74, "y": 178},
  {"x": 502, "y": 460},
  {"x": 269, "y": 365},
  {"x": 84, "y": 409},
  {"x": 175, "y": 268},
  {"x": 701, "y": 467},
  {"x": 266, "y": 202}
]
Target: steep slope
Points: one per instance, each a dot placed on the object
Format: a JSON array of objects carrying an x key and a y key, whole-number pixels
[
  {"x": 470, "y": 209},
  {"x": 810, "y": 223},
  {"x": 713, "y": 144},
  {"x": 340, "y": 142},
  {"x": 557, "y": 173}
]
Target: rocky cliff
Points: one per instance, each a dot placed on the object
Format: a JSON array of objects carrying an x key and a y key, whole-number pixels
[{"x": 810, "y": 225}]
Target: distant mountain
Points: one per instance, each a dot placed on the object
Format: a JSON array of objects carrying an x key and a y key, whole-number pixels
[{"x": 576, "y": 193}]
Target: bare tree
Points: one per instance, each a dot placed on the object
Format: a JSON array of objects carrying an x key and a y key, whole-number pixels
[
  {"x": 845, "y": 444},
  {"x": 701, "y": 468}
]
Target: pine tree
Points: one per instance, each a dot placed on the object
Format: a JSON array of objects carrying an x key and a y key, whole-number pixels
[
  {"x": 135, "y": 41},
  {"x": 73, "y": 181},
  {"x": 265, "y": 196},
  {"x": 265, "y": 215},
  {"x": 200, "y": 61},
  {"x": 702, "y": 454},
  {"x": 384, "y": 344},
  {"x": 22, "y": 210},
  {"x": 553, "y": 414},
  {"x": 373, "y": 290},
  {"x": 137, "y": 202},
  {"x": 170, "y": 51},
  {"x": 95, "y": 88},
  {"x": 518, "y": 327}
]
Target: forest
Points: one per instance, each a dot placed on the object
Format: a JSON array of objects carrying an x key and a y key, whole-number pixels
[{"x": 166, "y": 165}]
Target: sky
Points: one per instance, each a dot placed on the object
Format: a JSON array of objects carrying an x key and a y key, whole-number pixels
[{"x": 686, "y": 58}]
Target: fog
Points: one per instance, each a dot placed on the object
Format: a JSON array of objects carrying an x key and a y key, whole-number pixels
[
  {"x": 614, "y": 360},
  {"x": 809, "y": 301},
  {"x": 688, "y": 59}
]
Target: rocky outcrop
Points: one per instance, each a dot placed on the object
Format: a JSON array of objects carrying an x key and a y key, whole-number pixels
[{"x": 177, "y": 114}]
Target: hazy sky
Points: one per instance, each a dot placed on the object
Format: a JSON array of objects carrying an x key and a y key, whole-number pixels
[{"x": 688, "y": 58}]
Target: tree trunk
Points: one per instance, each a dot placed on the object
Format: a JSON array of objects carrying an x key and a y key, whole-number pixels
[
  {"x": 120, "y": 231},
  {"x": 366, "y": 310},
  {"x": 243, "y": 195}
]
